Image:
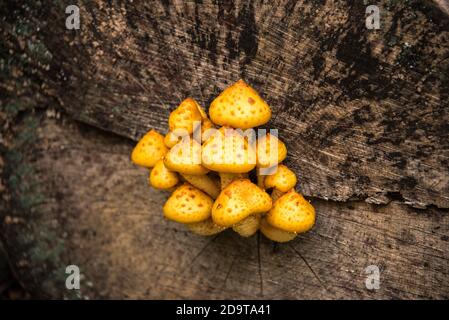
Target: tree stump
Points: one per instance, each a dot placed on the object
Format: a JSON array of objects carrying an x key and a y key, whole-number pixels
[{"x": 364, "y": 114}]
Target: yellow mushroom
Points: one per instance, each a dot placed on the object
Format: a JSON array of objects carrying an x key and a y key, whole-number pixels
[
  {"x": 188, "y": 204},
  {"x": 185, "y": 120},
  {"x": 205, "y": 228},
  {"x": 239, "y": 106},
  {"x": 270, "y": 152},
  {"x": 185, "y": 158},
  {"x": 281, "y": 181},
  {"x": 291, "y": 212},
  {"x": 228, "y": 151},
  {"x": 186, "y": 116},
  {"x": 175, "y": 136},
  {"x": 240, "y": 199},
  {"x": 162, "y": 178},
  {"x": 239, "y": 204},
  {"x": 274, "y": 233},
  {"x": 248, "y": 226},
  {"x": 149, "y": 150},
  {"x": 205, "y": 183}
]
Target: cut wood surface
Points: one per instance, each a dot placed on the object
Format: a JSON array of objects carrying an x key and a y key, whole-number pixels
[
  {"x": 77, "y": 199},
  {"x": 364, "y": 112}
]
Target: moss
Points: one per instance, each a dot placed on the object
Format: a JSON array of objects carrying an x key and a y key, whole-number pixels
[
  {"x": 116, "y": 110},
  {"x": 39, "y": 51},
  {"x": 25, "y": 239},
  {"x": 409, "y": 57},
  {"x": 24, "y": 57},
  {"x": 37, "y": 240}
]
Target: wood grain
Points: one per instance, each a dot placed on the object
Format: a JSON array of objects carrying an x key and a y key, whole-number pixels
[
  {"x": 77, "y": 199},
  {"x": 364, "y": 113}
]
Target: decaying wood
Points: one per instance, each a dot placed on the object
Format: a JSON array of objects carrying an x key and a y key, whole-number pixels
[
  {"x": 364, "y": 112},
  {"x": 77, "y": 199}
]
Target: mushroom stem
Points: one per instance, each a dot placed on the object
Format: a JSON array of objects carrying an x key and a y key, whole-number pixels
[
  {"x": 248, "y": 226},
  {"x": 227, "y": 178},
  {"x": 261, "y": 181},
  {"x": 276, "y": 194}
]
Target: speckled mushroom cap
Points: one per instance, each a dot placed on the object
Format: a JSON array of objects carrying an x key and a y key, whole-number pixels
[
  {"x": 162, "y": 178},
  {"x": 228, "y": 151},
  {"x": 185, "y": 116},
  {"x": 270, "y": 151},
  {"x": 185, "y": 157},
  {"x": 291, "y": 212},
  {"x": 188, "y": 204},
  {"x": 149, "y": 150},
  {"x": 237, "y": 201},
  {"x": 239, "y": 106},
  {"x": 283, "y": 179}
]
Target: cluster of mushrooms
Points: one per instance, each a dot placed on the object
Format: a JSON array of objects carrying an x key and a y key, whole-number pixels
[{"x": 211, "y": 183}]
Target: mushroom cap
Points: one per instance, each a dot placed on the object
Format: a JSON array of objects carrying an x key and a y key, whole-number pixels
[
  {"x": 171, "y": 139},
  {"x": 237, "y": 201},
  {"x": 205, "y": 183},
  {"x": 239, "y": 106},
  {"x": 283, "y": 179},
  {"x": 270, "y": 151},
  {"x": 185, "y": 157},
  {"x": 162, "y": 178},
  {"x": 149, "y": 150},
  {"x": 228, "y": 151},
  {"x": 275, "y": 234},
  {"x": 185, "y": 116},
  {"x": 187, "y": 204},
  {"x": 291, "y": 212},
  {"x": 205, "y": 228}
]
